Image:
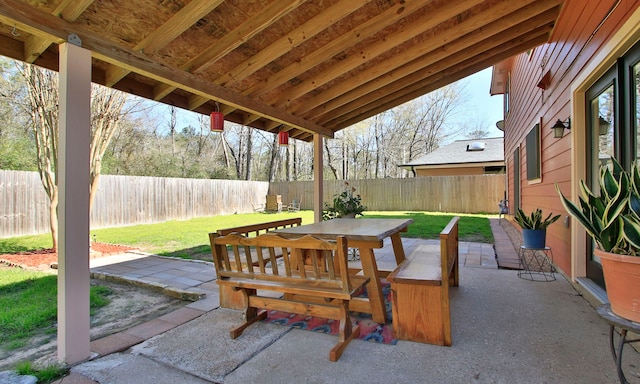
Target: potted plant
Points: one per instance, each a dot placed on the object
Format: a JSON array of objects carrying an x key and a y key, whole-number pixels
[
  {"x": 345, "y": 204},
  {"x": 534, "y": 227},
  {"x": 612, "y": 219}
]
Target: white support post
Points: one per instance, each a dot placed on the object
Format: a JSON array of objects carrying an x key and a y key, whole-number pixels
[
  {"x": 318, "y": 177},
  {"x": 73, "y": 207}
]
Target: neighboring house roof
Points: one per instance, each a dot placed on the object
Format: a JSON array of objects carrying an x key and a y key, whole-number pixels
[{"x": 463, "y": 153}]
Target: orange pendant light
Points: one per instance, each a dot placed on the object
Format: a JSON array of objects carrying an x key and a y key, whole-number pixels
[
  {"x": 217, "y": 121},
  {"x": 283, "y": 138}
]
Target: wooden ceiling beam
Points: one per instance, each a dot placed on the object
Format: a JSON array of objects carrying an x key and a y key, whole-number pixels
[
  {"x": 436, "y": 81},
  {"x": 449, "y": 10},
  {"x": 167, "y": 32},
  {"x": 301, "y": 34},
  {"x": 379, "y": 76},
  {"x": 251, "y": 118},
  {"x": 271, "y": 126},
  {"x": 226, "y": 110},
  {"x": 358, "y": 34},
  {"x": 31, "y": 19},
  {"x": 69, "y": 10},
  {"x": 184, "y": 19},
  {"x": 195, "y": 101},
  {"x": 241, "y": 35},
  {"x": 233, "y": 40},
  {"x": 11, "y": 48}
]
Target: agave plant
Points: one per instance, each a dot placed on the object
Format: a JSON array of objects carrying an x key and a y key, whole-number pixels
[
  {"x": 534, "y": 221},
  {"x": 611, "y": 218}
]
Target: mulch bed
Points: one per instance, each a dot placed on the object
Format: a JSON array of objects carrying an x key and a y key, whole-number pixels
[{"x": 43, "y": 258}]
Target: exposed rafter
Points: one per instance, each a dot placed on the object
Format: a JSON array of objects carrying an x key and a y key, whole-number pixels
[{"x": 301, "y": 66}]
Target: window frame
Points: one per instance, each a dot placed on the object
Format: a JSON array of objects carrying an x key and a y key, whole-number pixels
[{"x": 534, "y": 154}]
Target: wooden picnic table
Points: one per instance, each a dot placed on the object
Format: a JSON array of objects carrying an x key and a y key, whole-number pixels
[{"x": 366, "y": 235}]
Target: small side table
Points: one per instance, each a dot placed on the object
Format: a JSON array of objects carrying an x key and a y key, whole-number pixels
[
  {"x": 619, "y": 326},
  {"x": 537, "y": 264}
]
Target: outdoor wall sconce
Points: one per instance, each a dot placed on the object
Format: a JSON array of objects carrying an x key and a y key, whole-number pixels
[
  {"x": 559, "y": 126},
  {"x": 283, "y": 139},
  {"x": 604, "y": 125},
  {"x": 217, "y": 120}
]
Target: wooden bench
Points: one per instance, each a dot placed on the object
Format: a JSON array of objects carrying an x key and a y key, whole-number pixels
[
  {"x": 309, "y": 268},
  {"x": 420, "y": 290},
  {"x": 260, "y": 228},
  {"x": 229, "y": 298}
]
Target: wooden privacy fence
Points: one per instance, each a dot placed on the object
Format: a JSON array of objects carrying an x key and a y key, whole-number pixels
[
  {"x": 126, "y": 200},
  {"x": 460, "y": 194},
  {"x": 130, "y": 200}
]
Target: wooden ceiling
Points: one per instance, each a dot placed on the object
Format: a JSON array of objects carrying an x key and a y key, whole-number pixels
[{"x": 305, "y": 67}]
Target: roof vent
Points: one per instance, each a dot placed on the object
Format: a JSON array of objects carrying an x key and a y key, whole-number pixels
[{"x": 475, "y": 146}]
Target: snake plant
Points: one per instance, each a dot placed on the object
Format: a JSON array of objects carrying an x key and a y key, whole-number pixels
[
  {"x": 611, "y": 218},
  {"x": 534, "y": 221}
]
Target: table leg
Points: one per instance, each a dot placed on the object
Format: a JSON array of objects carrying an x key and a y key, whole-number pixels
[
  {"x": 398, "y": 249},
  {"x": 374, "y": 289}
]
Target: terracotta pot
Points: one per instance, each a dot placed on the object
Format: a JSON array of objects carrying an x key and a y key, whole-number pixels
[{"x": 622, "y": 279}]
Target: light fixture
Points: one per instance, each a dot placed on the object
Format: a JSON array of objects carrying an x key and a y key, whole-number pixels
[
  {"x": 217, "y": 120},
  {"x": 283, "y": 138},
  {"x": 559, "y": 126},
  {"x": 604, "y": 125},
  {"x": 545, "y": 81}
]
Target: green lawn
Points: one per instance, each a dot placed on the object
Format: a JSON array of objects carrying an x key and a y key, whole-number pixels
[
  {"x": 189, "y": 238},
  {"x": 29, "y": 300},
  {"x": 36, "y": 291}
]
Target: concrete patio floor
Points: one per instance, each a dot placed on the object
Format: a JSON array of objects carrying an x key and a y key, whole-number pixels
[{"x": 504, "y": 329}]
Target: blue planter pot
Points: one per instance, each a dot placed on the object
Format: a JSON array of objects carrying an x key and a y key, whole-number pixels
[{"x": 534, "y": 238}]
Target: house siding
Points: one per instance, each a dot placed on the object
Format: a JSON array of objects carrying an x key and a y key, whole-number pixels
[{"x": 572, "y": 46}]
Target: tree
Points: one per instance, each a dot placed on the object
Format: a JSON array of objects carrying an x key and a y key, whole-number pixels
[
  {"x": 106, "y": 113},
  {"x": 42, "y": 105},
  {"x": 375, "y": 147},
  {"x": 476, "y": 129},
  {"x": 151, "y": 146},
  {"x": 17, "y": 149}
]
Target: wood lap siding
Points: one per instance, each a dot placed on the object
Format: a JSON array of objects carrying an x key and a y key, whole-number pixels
[{"x": 530, "y": 104}]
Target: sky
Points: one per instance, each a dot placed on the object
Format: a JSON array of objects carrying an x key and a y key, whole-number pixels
[{"x": 479, "y": 105}]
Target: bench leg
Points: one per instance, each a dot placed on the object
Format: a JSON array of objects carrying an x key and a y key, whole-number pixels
[
  {"x": 346, "y": 332},
  {"x": 454, "y": 279},
  {"x": 250, "y": 316}
]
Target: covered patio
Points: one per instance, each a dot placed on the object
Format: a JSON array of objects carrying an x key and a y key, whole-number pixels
[
  {"x": 505, "y": 330},
  {"x": 302, "y": 68}
]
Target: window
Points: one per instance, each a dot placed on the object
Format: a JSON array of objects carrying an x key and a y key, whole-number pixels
[
  {"x": 612, "y": 116},
  {"x": 506, "y": 96},
  {"x": 612, "y": 105},
  {"x": 533, "y": 153},
  {"x": 516, "y": 179}
]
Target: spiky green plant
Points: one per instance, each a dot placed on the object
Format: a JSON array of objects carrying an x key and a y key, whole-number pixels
[
  {"x": 611, "y": 218},
  {"x": 534, "y": 221}
]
